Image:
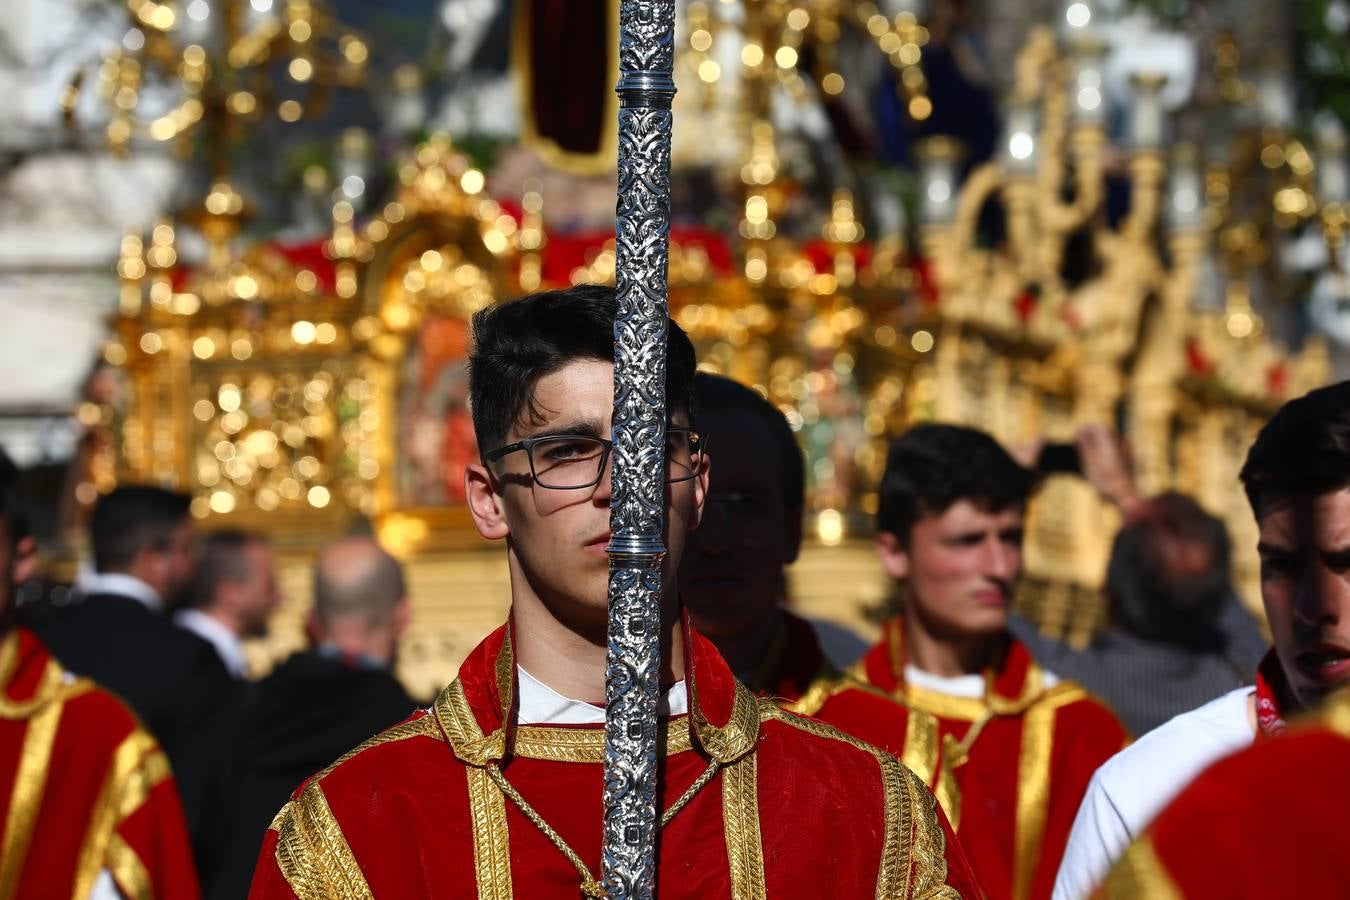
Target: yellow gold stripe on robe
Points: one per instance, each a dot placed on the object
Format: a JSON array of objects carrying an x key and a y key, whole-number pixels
[
  {"x": 1033, "y": 782},
  {"x": 921, "y": 745},
  {"x": 313, "y": 854},
  {"x": 1140, "y": 873},
  {"x": 740, "y": 824},
  {"x": 127, "y": 758},
  {"x": 29, "y": 781},
  {"x": 128, "y": 870},
  {"x": 491, "y": 839}
]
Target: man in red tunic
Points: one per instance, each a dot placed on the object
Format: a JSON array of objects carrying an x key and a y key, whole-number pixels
[
  {"x": 1015, "y": 745},
  {"x": 497, "y": 789},
  {"x": 1265, "y": 822},
  {"x": 733, "y": 582},
  {"x": 88, "y": 804}
]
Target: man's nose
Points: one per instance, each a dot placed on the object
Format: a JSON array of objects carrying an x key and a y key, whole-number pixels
[
  {"x": 715, "y": 533},
  {"x": 1323, "y": 595},
  {"x": 1001, "y": 560}
]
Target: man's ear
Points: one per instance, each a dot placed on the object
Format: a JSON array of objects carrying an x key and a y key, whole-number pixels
[
  {"x": 893, "y": 555},
  {"x": 485, "y": 504},
  {"x": 25, "y": 559}
]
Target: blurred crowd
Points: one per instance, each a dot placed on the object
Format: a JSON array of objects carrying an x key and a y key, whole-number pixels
[{"x": 1024, "y": 741}]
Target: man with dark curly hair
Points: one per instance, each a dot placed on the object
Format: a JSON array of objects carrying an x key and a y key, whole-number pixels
[{"x": 1015, "y": 745}]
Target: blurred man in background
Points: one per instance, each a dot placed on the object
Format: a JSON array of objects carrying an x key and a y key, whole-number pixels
[
  {"x": 733, "y": 578},
  {"x": 91, "y": 806},
  {"x": 232, "y": 595},
  {"x": 1165, "y": 650},
  {"x": 321, "y": 702},
  {"x": 1297, "y": 478},
  {"x": 118, "y": 634},
  {"x": 1017, "y": 744}
]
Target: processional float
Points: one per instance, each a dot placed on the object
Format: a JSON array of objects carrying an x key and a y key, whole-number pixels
[{"x": 636, "y": 550}]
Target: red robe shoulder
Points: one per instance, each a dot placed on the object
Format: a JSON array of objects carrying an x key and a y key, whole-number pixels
[
  {"x": 1010, "y": 768},
  {"x": 1271, "y": 820},
  {"x": 778, "y": 805},
  {"x": 85, "y": 789}
]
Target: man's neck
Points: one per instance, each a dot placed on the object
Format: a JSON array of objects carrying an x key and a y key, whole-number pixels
[
  {"x": 745, "y": 652},
  {"x": 949, "y": 656},
  {"x": 570, "y": 660},
  {"x": 224, "y": 619}
]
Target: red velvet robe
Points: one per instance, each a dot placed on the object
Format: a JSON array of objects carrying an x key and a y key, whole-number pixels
[
  {"x": 1011, "y": 768},
  {"x": 1265, "y": 822},
  {"x": 793, "y": 809},
  {"x": 798, "y": 676},
  {"x": 82, "y": 788}
]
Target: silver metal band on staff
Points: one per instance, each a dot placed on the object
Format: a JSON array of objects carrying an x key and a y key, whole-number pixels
[{"x": 637, "y": 514}]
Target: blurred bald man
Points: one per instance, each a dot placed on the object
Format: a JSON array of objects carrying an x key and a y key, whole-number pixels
[{"x": 320, "y": 702}]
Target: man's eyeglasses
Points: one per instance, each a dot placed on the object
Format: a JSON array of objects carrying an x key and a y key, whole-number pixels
[{"x": 566, "y": 462}]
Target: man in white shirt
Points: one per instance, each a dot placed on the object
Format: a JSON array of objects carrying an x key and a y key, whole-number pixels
[
  {"x": 233, "y": 594},
  {"x": 1297, "y": 478}
]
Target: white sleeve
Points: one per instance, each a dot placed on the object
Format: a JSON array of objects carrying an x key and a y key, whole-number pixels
[{"x": 1099, "y": 837}]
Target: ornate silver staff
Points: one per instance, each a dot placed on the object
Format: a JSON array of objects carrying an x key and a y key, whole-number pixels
[{"x": 637, "y": 513}]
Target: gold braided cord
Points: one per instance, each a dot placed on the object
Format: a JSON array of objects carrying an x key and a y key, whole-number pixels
[
  {"x": 590, "y": 885},
  {"x": 927, "y": 843}
]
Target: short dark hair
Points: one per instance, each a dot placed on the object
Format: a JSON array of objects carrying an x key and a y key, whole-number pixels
[
  {"x": 930, "y": 467},
  {"x": 714, "y": 392},
  {"x": 130, "y": 519},
  {"x": 221, "y": 558},
  {"x": 1303, "y": 449},
  {"x": 518, "y": 342},
  {"x": 13, "y": 502},
  {"x": 1159, "y": 590}
]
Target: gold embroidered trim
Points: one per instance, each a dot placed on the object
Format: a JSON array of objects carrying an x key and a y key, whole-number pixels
[
  {"x": 29, "y": 781},
  {"x": 137, "y": 766},
  {"x": 735, "y": 739},
  {"x": 740, "y": 824},
  {"x": 312, "y": 853},
  {"x": 920, "y": 755},
  {"x": 587, "y": 745},
  {"x": 1140, "y": 873},
  {"x": 904, "y": 833},
  {"x": 456, "y": 717},
  {"x": 927, "y": 843},
  {"x": 1033, "y": 781},
  {"x": 491, "y": 840},
  {"x": 128, "y": 870}
]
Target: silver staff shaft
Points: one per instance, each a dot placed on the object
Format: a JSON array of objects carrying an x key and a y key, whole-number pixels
[{"x": 637, "y": 516}]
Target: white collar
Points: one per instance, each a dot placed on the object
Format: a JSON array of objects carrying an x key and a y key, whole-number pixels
[
  {"x": 540, "y": 704},
  {"x": 122, "y": 585},
  {"x": 228, "y": 646},
  {"x": 970, "y": 686}
]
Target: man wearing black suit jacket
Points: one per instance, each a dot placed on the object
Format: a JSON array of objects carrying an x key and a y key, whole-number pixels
[{"x": 117, "y": 633}]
